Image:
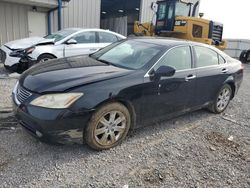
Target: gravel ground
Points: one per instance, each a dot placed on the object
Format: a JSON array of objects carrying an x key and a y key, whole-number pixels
[
  {"x": 199, "y": 149},
  {"x": 6, "y": 86}
]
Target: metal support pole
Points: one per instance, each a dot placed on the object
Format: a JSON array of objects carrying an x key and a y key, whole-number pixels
[{"x": 59, "y": 14}]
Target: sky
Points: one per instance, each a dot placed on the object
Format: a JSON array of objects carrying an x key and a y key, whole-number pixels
[{"x": 235, "y": 16}]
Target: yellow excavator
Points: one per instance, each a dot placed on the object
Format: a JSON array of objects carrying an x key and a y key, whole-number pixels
[{"x": 178, "y": 19}]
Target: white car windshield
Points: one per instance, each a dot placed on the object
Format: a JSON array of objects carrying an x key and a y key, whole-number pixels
[{"x": 59, "y": 35}]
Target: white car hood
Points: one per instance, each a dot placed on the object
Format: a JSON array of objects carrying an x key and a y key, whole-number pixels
[{"x": 24, "y": 43}]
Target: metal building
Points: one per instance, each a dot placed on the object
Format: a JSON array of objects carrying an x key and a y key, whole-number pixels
[
  {"x": 236, "y": 46},
  {"x": 25, "y": 18}
]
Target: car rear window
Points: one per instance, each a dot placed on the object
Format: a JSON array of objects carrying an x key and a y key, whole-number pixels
[{"x": 107, "y": 37}]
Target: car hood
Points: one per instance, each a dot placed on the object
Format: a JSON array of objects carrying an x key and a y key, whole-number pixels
[
  {"x": 24, "y": 43},
  {"x": 66, "y": 73}
]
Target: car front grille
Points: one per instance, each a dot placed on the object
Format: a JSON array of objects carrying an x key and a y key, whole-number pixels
[
  {"x": 2, "y": 56},
  {"x": 22, "y": 94}
]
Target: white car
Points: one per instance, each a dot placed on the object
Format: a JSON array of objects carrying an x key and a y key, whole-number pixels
[{"x": 64, "y": 43}]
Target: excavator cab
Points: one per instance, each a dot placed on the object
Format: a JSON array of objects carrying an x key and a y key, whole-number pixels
[
  {"x": 168, "y": 10},
  {"x": 179, "y": 19}
]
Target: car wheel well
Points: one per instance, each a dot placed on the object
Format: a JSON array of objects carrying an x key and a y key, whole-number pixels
[
  {"x": 131, "y": 110},
  {"x": 232, "y": 85},
  {"x": 46, "y": 54}
]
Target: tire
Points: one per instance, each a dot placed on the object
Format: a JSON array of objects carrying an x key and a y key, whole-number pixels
[
  {"x": 222, "y": 100},
  {"x": 45, "y": 57},
  {"x": 248, "y": 56},
  {"x": 243, "y": 56},
  {"x": 102, "y": 131}
]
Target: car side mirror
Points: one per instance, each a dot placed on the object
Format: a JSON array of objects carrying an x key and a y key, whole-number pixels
[
  {"x": 164, "y": 71},
  {"x": 71, "y": 41}
]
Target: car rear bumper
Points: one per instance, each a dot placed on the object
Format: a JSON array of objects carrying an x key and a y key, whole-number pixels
[{"x": 52, "y": 126}]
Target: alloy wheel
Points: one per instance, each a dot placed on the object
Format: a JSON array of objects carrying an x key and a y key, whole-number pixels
[
  {"x": 110, "y": 128},
  {"x": 223, "y": 99}
]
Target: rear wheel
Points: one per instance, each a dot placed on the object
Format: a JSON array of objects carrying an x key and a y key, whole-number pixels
[
  {"x": 243, "y": 56},
  {"x": 222, "y": 99},
  {"x": 108, "y": 126},
  {"x": 248, "y": 56}
]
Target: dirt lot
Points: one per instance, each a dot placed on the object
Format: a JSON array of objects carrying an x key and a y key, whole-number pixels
[{"x": 199, "y": 149}]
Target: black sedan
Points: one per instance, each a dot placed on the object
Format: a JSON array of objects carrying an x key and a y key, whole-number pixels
[{"x": 132, "y": 83}]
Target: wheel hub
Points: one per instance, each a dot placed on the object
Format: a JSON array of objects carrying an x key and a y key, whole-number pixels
[
  {"x": 110, "y": 128},
  {"x": 223, "y": 99}
]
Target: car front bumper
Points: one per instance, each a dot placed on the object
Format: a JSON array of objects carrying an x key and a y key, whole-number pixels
[
  {"x": 8, "y": 60},
  {"x": 52, "y": 125}
]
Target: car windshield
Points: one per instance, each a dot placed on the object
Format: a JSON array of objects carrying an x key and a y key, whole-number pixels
[
  {"x": 59, "y": 35},
  {"x": 129, "y": 54}
]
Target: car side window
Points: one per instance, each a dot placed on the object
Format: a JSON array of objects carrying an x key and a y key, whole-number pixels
[
  {"x": 205, "y": 57},
  {"x": 107, "y": 37},
  {"x": 178, "y": 58},
  {"x": 221, "y": 59},
  {"x": 85, "y": 37}
]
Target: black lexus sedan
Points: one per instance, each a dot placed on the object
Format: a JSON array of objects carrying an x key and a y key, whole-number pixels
[{"x": 99, "y": 98}]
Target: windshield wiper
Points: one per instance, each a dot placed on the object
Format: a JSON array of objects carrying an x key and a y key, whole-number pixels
[
  {"x": 113, "y": 64},
  {"x": 104, "y": 61}
]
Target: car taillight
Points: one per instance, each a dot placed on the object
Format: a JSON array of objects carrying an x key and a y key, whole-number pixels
[{"x": 242, "y": 69}]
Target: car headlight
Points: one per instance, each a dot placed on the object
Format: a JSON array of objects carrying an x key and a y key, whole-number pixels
[
  {"x": 56, "y": 101},
  {"x": 30, "y": 50}
]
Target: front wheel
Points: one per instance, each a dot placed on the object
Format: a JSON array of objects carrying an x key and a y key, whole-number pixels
[
  {"x": 108, "y": 126},
  {"x": 44, "y": 57},
  {"x": 222, "y": 99}
]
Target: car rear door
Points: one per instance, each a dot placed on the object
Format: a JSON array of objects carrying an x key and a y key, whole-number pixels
[
  {"x": 106, "y": 38},
  {"x": 170, "y": 95},
  {"x": 211, "y": 71},
  {"x": 86, "y": 44}
]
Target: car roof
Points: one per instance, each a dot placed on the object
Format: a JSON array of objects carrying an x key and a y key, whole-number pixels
[
  {"x": 93, "y": 29},
  {"x": 172, "y": 42},
  {"x": 163, "y": 41}
]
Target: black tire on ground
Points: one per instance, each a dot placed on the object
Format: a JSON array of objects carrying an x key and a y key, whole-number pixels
[
  {"x": 108, "y": 126},
  {"x": 222, "y": 100},
  {"x": 248, "y": 56},
  {"x": 45, "y": 57},
  {"x": 243, "y": 56}
]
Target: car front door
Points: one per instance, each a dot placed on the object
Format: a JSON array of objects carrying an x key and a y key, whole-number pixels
[
  {"x": 86, "y": 43},
  {"x": 211, "y": 72},
  {"x": 170, "y": 95}
]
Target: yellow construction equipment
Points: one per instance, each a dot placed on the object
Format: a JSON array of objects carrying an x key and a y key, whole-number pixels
[{"x": 178, "y": 19}]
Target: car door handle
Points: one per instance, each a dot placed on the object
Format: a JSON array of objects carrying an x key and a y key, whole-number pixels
[
  {"x": 224, "y": 70},
  {"x": 190, "y": 77},
  {"x": 93, "y": 49}
]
